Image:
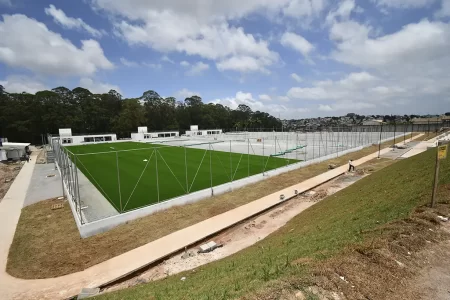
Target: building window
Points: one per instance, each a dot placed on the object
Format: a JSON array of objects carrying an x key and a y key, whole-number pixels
[
  {"x": 67, "y": 141},
  {"x": 88, "y": 139},
  {"x": 108, "y": 138}
]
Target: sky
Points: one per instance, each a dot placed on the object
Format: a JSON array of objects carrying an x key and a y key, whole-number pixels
[{"x": 291, "y": 58}]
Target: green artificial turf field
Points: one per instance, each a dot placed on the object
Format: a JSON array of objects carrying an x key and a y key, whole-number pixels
[{"x": 142, "y": 185}]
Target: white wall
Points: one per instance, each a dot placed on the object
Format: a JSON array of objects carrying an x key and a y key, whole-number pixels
[
  {"x": 79, "y": 139},
  {"x": 153, "y": 135},
  {"x": 3, "y": 155},
  {"x": 202, "y": 132}
]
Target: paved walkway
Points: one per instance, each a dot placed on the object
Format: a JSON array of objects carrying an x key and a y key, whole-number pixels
[
  {"x": 43, "y": 187},
  {"x": 122, "y": 265}
]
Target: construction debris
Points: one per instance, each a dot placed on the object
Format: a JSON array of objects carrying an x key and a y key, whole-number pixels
[
  {"x": 57, "y": 206},
  {"x": 187, "y": 254},
  {"x": 443, "y": 219},
  {"x": 88, "y": 292},
  {"x": 209, "y": 247}
]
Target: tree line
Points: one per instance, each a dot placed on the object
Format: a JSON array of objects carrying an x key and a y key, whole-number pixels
[{"x": 24, "y": 117}]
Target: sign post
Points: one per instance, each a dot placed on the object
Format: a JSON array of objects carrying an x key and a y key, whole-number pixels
[{"x": 441, "y": 155}]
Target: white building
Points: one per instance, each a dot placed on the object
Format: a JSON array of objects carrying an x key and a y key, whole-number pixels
[
  {"x": 143, "y": 134},
  {"x": 373, "y": 122},
  {"x": 13, "y": 151},
  {"x": 195, "y": 132},
  {"x": 67, "y": 138}
]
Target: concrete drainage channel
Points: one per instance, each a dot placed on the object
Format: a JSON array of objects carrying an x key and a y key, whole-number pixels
[{"x": 235, "y": 238}]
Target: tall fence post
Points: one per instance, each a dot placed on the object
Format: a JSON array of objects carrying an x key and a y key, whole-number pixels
[
  {"x": 231, "y": 165},
  {"x": 314, "y": 144},
  {"x": 157, "y": 176},
  {"x": 210, "y": 170},
  {"x": 248, "y": 157},
  {"x": 118, "y": 181},
  {"x": 263, "y": 157},
  {"x": 186, "y": 170}
]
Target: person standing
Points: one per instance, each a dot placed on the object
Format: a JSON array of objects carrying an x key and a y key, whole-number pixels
[{"x": 351, "y": 167}]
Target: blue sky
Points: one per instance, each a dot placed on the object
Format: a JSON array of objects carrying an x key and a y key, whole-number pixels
[{"x": 291, "y": 58}]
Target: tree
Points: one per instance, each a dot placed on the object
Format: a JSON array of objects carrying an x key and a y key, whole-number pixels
[{"x": 24, "y": 117}]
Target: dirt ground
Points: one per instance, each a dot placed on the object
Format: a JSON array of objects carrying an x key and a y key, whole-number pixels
[
  {"x": 8, "y": 172},
  {"x": 240, "y": 236},
  {"x": 407, "y": 259},
  {"x": 433, "y": 281}
]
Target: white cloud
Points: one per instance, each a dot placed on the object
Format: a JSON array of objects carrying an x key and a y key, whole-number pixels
[
  {"x": 128, "y": 63},
  {"x": 97, "y": 87},
  {"x": 152, "y": 65},
  {"x": 27, "y": 43},
  {"x": 305, "y": 8},
  {"x": 283, "y": 98},
  {"x": 197, "y": 69},
  {"x": 167, "y": 59},
  {"x": 342, "y": 12},
  {"x": 19, "y": 84},
  {"x": 71, "y": 23},
  {"x": 296, "y": 42},
  {"x": 201, "y": 10},
  {"x": 265, "y": 97},
  {"x": 325, "y": 108},
  {"x": 404, "y": 3},
  {"x": 193, "y": 28},
  {"x": 185, "y": 64},
  {"x": 444, "y": 11},
  {"x": 296, "y": 77},
  {"x": 416, "y": 49},
  {"x": 185, "y": 93},
  {"x": 271, "y": 108},
  {"x": 244, "y": 64}
]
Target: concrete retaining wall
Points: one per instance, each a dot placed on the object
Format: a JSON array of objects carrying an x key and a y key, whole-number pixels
[{"x": 106, "y": 224}]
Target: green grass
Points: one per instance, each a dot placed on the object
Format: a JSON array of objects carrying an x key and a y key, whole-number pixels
[
  {"x": 320, "y": 232},
  {"x": 166, "y": 174}
]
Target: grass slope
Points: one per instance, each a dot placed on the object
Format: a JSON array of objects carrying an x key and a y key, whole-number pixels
[
  {"x": 320, "y": 232},
  {"x": 167, "y": 174}
]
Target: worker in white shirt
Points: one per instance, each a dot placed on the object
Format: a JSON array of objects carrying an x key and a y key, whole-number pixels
[{"x": 351, "y": 167}]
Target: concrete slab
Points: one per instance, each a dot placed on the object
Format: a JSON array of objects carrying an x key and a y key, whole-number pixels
[
  {"x": 43, "y": 187},
  {"x": 396, "y": 153},
  {"x": 94, "y": 205}
]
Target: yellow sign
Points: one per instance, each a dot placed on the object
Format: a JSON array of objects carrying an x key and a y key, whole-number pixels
[{"x": 442, "y": 152}]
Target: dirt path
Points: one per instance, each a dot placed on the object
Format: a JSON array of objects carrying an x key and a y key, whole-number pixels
[
  {"x": 240, "y": 236},
  {"x": 433, "y": 280}
]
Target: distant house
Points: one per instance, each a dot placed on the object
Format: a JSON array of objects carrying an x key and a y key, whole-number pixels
[
  {"x": 426, "y": 121},
  {"x": 372, "y": 122}
]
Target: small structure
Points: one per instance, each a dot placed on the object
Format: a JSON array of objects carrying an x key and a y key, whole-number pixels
[
  {"x": 204, "y": 132},
  {"x": 373, "y": 122},
  {"x": 143, "y": 134},
  {"x": 67, "y": 138},
  {"x": 13, "y": 151}
]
